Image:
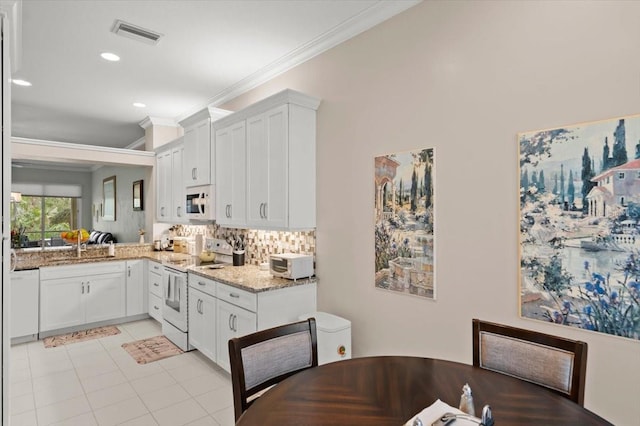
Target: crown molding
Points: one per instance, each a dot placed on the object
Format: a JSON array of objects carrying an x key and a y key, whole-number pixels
[
  {"x": 157, "y": 121},
  {"x": 368, "y": 18}
]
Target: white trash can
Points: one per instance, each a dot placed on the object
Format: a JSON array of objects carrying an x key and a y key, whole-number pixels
[{"x": 334, "y": 336}]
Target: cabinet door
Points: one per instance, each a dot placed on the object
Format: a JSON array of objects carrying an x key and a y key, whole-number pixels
[
  {"x": 230, "y": 171},
  {"x": 61, "y": 303},
  {"x": 163, "y": 178},
  {"x": 231, "y": 322},
  {"x": 177, "y": 186},
  {"x": 25, "y": 294},
  {"x": 105, "y": 297},
  {"x": 136, "y": 287},
  {"x": 155, "y": 307},
  {"x": 197, "y": 152},
  {"x": 202, "y": 323},
  {"x": 268, "y": 168}
]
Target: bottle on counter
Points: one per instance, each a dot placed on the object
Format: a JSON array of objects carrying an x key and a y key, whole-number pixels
[
  {"x": 466, "y": 401},
  {"x": 112, "y": 249}
]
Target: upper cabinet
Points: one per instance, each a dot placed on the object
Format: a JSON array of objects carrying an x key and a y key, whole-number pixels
[
  {"x": 279, "y": 165},
  {"x": 230, "y": 171},
  {"x": 170, "y": 203},
  {"x": 198, "y": 147}
]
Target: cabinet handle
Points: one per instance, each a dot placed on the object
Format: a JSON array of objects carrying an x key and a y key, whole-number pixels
[
  {"x": 229, "y": 211},
  {"x": 156, "y": 284},
  {"x": 201, "y": 306},
  {"x": 201, "y": 283},
  {"x": 83, "y": 288},
  {"x": 230, "y": 322},
  {"x": 156, "y": 308},
  {"x": 194, "y": 173},
  {"x": 156, "y": 268},
  {"x": 266, "y": 213},
  {"x": 129, "y": 271},
  {"x": 178, "y": 211},
  {"x": 261, "y": 214},
  {"x": 162, "y": 211},
  {"x": 88, "y": 287},
  {"x": 234, "y": 295},
  {"x": 235, "y": 323}
]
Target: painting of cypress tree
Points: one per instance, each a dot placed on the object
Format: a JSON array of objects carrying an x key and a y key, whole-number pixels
[
  {"x": 580, "y": 242},
  {"x": 404, "y": 224}
]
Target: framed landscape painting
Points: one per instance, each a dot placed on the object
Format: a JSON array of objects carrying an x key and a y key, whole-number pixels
[
  {"x": 404, "y": 223},
  {"x": 580, "y": 226}
]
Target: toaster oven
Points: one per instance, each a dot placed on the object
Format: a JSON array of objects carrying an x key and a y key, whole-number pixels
[{"x": 291, "y": 265}]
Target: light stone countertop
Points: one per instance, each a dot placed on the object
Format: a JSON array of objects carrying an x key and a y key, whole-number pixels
[{"x": 247, "y": 277}]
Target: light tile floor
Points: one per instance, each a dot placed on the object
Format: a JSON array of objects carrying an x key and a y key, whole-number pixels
[{"x": 97, "y": 383}]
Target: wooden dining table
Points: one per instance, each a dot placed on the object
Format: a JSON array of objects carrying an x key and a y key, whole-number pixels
[{"x": 390, "y": 390}]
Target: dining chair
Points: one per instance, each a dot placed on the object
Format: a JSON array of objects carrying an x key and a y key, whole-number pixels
[
  {"x": 264, "y": 358},
  {"x": 554, "y": 362}
]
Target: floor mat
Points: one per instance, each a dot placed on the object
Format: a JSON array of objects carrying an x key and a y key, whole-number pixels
[
  {"x": 151, "y": 349},
  {"x": 80, "y": 336}
]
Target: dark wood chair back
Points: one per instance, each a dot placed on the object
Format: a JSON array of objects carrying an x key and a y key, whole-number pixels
[
  {"x": 554, "y": 362},
  {"x": 264, "y": 358}
]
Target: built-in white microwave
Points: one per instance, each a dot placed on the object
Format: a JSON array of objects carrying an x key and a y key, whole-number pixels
[{"x": 200, "y": 203}]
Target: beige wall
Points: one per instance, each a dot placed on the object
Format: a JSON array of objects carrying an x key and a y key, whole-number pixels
[{"x": 465, "y": 78}]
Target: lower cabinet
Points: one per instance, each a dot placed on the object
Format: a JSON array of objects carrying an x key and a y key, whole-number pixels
[
  {"x": 232, "y": 321},
  {"x": 81, "y": 294},
  {"x": 202, "y": 319},
  {"x": 25, "y": 294},
  {"x": 136, "y": 284},
  {"x": 154, "y": 283}
]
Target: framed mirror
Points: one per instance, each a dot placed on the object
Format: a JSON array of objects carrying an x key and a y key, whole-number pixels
[
  {"x": 137, "y": 196},
  {"x": 109, "y": 199}
]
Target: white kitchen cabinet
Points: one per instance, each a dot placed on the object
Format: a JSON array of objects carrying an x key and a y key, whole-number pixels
[
  {"x": 202, "y": 319},
  {"x": 232, "y": 321},
  {"x": 241, "y": 312},
  {"x": 81, "y": 294},
  {"x": 197, "y": 149},
  {"x": 199, "y": 155},
  {"x": 163, "y": 180},
  {"x": 105, "y": 297},
  {"x": 170, "y": 204},
  {"x": 137, "y": 290},
  {"x": 230, "y": 171},
  {"x": 25, "y": 295},
  {"x": 178, "y": 200},
  {"x": 280, "y": 161},
  {"x": 154, "y": 284}
]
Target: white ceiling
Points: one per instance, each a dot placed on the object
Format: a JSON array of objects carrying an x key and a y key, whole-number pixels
[{"x": 210, "y": 52}]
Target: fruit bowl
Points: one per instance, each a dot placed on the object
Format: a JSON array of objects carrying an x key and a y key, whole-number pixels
[{"x": 71, "y": 237}]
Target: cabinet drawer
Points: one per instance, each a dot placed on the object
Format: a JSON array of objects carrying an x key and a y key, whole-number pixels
[
  {"x": 235, "y": 296},
  {"x": 203, "y": 284},
  {"x": 82, "y": 270},
  {"x": 155, "y": 268},
  {"x": 155, "y": 307},
  {"x": 155, "y": 284}
]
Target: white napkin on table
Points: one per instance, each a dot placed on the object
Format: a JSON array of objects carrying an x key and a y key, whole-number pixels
[{"x": 437, "y": 410}]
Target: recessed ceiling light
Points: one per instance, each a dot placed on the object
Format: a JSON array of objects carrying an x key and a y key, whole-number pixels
[
  {"x": 139, "y": 105},
  {"x": 20, "y": 82},
  {"x": 112, "y": 57}
]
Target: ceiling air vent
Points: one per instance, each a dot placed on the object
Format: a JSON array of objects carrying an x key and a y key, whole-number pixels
[{"x": 135, "y": 32}]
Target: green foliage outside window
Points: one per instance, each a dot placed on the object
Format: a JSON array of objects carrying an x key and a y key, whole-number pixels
[{"x": 37, "y": 218}]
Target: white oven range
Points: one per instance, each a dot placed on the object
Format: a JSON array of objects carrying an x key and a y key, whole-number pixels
[{"x": 175, "y": 307}]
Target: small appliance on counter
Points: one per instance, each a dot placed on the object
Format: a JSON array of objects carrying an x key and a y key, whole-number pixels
[{"x": 291, "y": 265}]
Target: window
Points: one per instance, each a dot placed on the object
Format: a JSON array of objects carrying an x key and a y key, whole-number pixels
[
  {"x": 621, "y": 175},
  {"x": 43, "y": 212}
]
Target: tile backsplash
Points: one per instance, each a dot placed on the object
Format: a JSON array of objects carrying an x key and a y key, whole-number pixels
[{"x": 260, "y": 244}]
